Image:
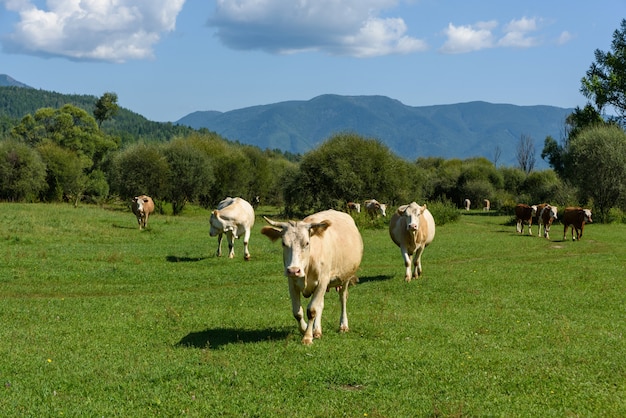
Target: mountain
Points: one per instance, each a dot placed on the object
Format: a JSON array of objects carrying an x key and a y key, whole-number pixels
[
  {"x": 7, "y": 81},
  {"x": 450, "y": 131}
]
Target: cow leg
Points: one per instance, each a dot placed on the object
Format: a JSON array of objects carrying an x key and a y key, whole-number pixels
[
  {"x": 407, "y": 264},
  {"x": 231, "y": 244},
  {"x": 417, "y": 262},
  {"x": 519, "y": 227},
  {"x": 145, "y": 220},
  {"x": 219, "y": 245},
  {"x": 314, "y": 315},
  {"x": 343, "y": 299},
  {"x": 296, "y": 307},
  {"x": 246, "y": 239}
]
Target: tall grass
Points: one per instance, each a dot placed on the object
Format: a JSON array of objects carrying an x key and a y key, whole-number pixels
[{"x": 101, "y": 319}]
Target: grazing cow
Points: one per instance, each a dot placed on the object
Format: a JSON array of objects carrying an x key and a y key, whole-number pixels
[
  {"x": 353, "y": 207},
  {"x": 466, "y": 204},
  {"x": 576, "y": 217},
  {"x": 487, "y": 205},
  {"x": 524, "y": 214},
  {"x": 547, "y": 215},
  {"x": 322, "y": 251},
  {"x": 142, "y": 207},
  {"x": 412, "y": 228},
  {"x": 233, "y": 217},
  {"x": 374, "y": 208}
]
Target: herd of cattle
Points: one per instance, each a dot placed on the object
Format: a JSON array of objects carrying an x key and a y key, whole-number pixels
[
  {"x": 324, "y": 250},
  {"x": 546, "y": 214}
]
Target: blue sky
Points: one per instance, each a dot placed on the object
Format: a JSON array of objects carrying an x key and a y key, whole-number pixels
[{"x": 168, "y": 58}]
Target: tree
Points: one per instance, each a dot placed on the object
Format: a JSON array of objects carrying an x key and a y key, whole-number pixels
[
  {"x": 598, "y": 157},
  {"x": 526, "y": 153},
  {"x": 140, "y": 169},
  {"x": 22, "y": 172},
  {"x": 605, "y": 80},
  {"x": 106, "y": 108}
]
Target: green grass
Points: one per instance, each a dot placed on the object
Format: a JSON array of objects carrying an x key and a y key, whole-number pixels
[{"x": 101, "y": 319}]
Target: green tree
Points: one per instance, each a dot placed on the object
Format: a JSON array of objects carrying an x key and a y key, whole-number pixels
[
  {"x": 140, "y": 169},
  {"x": 605, "y": 80},
  {"x": 598, "y": 156},
  {"x": 22, "y": 172},
  {"x": 106, "y": 108},
  {"x": 191, "y": 173},
  {"x": 65, "y": 173}
]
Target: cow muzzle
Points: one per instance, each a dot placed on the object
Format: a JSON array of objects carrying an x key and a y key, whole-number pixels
[{"x": 294, "y": 272}]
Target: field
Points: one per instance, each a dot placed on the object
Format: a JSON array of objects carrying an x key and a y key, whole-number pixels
[{"x": 101, "y": 319}]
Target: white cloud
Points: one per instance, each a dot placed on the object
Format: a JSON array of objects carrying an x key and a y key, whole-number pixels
[
  {"x": 468, "y": 38},
  {"x": 516, "y": 34},
  {"x": 349, "y": 27},
  {"x": 107, "y": 30},
  {"x": 564, "y": 38}
]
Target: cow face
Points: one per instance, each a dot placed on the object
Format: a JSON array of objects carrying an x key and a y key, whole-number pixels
[
  {"x": 587, "y": 215},
  {"x": 217, "y": 225},
  {"x": 412, "y": 213},
  {"x": 296, "y": 240}
]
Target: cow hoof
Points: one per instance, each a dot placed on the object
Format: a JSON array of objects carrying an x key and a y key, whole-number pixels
[
  {"x": 344, "y": 328},
  {"x": 307, "y": 341},
  {"x": 317, "y": 334},
  {"x": 247, "y": 258},
  {"x": 407, "y": 279}
]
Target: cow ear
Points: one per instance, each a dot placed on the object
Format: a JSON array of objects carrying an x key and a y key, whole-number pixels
[
  {"x": 319, "y": 228},
  {"x": 271, "y": 232},
  {"x": 402, "y": 209}
]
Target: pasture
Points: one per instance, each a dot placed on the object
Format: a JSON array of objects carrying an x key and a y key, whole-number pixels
[{"x": 101, "y": 319}]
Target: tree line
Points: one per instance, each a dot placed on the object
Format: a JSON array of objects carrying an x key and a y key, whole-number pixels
[{"x": 66, "y": 153}]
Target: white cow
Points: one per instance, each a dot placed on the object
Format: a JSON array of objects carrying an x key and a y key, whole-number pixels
[
  {"x": 142, "y": 206},
  {"x": 322, "y": 251},
  {"x": 233, "y": 217},
  {"x": 412, "y": 228},
  {"x": 546, "y": 217},
  {"x": 374, "y": 208},
  {"x": 466, "y": 204}
]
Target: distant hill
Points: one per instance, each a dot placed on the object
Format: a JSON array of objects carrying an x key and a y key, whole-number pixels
[
  {"x": 450, "y": 131},
  {"x": 6, "y": 81}
]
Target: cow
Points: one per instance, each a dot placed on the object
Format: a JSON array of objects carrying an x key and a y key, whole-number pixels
[
  {"x": 576, "y": 217},
  {"x": 142, "y": 206},
  {"x": 256, "y": 201},
  {"x": 466, "y": 204},
  {"x": 487, "y": 205},
  {"x": 320, "y": 252},
  {"x": 412, "y": 228},
  {"x": 233, "y": 217},
  {"x": 374, "y": 208},
  {"x": 547, "y": 215},
  {"x": 524, "y": 214},
  {"x": 353, "y": 207}
]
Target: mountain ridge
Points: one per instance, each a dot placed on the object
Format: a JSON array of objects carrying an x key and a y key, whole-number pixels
[{"x": 461, "y": 130}]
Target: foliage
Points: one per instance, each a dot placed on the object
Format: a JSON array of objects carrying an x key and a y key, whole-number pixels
[
  {"x": 22, "y": 172},
  {"x": 599, "y": 165},
  {"x": 106, "y": 108},
  {"x": 100, "y": 319},
  {"x": 605, "y": 80},
  {"x": 140, "y": 169}
]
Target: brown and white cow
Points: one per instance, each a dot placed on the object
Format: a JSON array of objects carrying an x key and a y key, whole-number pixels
[
  {"x": 412, "y": 228},
  {"x": 576, "y": 217},
  {"x": 233, "y": 217},
  {"x": 466, "y": 204},
  {"x": 353, "y": 207},
  {"x": 142, "y": 207},
  {"x": 322, "y": 251},
  {"x": 524, "y": 214},
  {"x": 374, "y": 208},
  {"x": 486, "y": 205},
  {"x": 547, "y": 215}
]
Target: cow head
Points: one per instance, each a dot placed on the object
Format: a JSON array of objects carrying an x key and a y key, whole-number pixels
[
  {"x": 587, "y": 215},
  {"x": 296, "y": 239},
  {"x": 138, "y": 204},
  {"x": 412, "y": 213}
]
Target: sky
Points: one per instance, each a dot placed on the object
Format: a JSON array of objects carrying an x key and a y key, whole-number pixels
[{"x": 167, "y": 58}]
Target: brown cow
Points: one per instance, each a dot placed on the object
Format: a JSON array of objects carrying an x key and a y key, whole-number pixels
[
  {"x": 353, "y": 207},
  {"x": 412, "y": 228},
  {"x": 374, "y": 208},
  {"x": 524, "y": 214},
  {"x": 142, "y": 207},
  {"x": 322, "y": 251},
  {"x": 547, "y": 215},
  {"x": 576, "y": 217}
]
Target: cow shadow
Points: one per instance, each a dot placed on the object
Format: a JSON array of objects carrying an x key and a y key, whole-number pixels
[
  {"x": 177, "y": 259},
  {"x": 215, "y": 339},
  {"x": 379, "y": 278}
]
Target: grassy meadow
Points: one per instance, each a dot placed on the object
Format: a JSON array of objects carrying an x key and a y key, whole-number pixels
[{"x": 101, "y": 319}]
